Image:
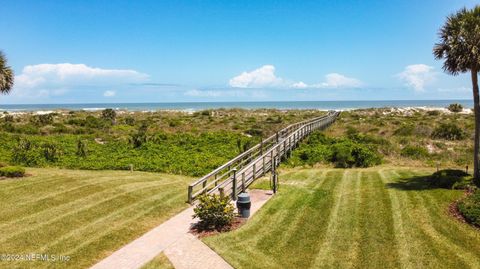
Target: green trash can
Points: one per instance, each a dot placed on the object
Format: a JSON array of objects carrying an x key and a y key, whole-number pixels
[{"x": 244, "y": 204}]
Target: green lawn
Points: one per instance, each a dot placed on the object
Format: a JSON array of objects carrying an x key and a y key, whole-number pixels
[
  {"x": 83, "y": 214},
  {"x": 356, "y": 218}
]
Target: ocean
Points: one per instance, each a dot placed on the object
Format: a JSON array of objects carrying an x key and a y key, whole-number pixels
[{"x": 195, "y": 106}]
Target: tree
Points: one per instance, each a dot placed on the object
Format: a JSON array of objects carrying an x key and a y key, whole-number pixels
[
  {"x": 459, "y": 47},
  {"x": 6, "y": 75}
]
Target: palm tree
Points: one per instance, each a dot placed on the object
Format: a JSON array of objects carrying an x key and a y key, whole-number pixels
[
  {"x": 459, "y": 46},
  {"x": 6, "y": 75}
]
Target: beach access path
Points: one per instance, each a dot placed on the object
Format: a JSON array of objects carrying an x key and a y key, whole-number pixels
[{"x": 173, "y": 237}]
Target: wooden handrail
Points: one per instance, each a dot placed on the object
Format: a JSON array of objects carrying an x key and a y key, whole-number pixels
[{"x": 247, "y": 159}]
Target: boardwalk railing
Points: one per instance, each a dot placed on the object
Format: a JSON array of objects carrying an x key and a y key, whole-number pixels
[{"x": 237, "y": 174}]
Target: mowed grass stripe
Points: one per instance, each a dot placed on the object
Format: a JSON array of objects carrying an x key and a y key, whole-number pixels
[
  {"x": 119, "y": 229},
  {"x": 438, "y": 248},
  {"x": 375, "y": 217},
  {"x": 387, "y": 219},
  {"x": 281, "y": 227},
  {"x": 44, "y": 232},
  {"x": 403, "y": 243},
  {"x": 55, "y": 176},
  {"x": 311, "y": 221},
  {"x": 32, "y": 222},
  {"x": 342, "y": 218},
  {"x": 92, "y": 223},
  {"x": 108, "y": 221},
  {"x": 275, "y": 243},
  {"x": 434, "y": 222},
  {"x": 422, "y": 250},
  {"x": 72, "y": 189},
  {"x": 466, "y": 235}
]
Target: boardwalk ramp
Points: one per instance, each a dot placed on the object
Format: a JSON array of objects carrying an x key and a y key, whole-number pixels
[{"x": 237, "y": 174}]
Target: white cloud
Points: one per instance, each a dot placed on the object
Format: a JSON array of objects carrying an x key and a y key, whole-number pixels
[
  {"x": 58, "y": 78},
  {"x": 205, "y": 93},
  {"x": 417, "y": 76},
  {"x": 335, "y": 80},
  {"x": 67, "y": 74},
  {"x": 332, "y": 80},
  {"x": 265, "y": 77},
  {"x": 261, "y": 77},
  {"x": 109, "y": 93},
  {"x": 299, "y": 85}
]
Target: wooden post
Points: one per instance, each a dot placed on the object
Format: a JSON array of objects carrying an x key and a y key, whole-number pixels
[
  {"x": 190, "y": 192},
  {"x": 261, "y": 146},
  {"x": 243, "y": 182},
  {"x": 254, "y": 171},
  {"x": 234, "y": 185},
  {"x": 222, "y": 192},
  {"x": 263, "y": 165},
  {"x": 276, "y": 136},
  {"x": 271, "y": 159},
  {"x": 204, "y": 186},
  {"x": 274, "y": 176}
]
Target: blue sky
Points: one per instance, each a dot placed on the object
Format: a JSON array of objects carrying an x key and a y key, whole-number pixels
[{"x": 184, "y": 51}]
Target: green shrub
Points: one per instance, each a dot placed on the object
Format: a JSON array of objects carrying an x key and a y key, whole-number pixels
[
  {"x": 315, "y": 154},
  {"x": 254, "y": 132},
  {"x": 349, "y": 154},
  {"x": 214, "y": 211},
  {"x": 469, "y": 207},
  {"x": 414, "y": 152},
  {"x": 449, "y": 179},
  {"x": 23, "y": 153},
  {"x": 8, "y": 118},
  {"x": 42, "y": 120},
  {"x": 140, "y": 137},
  {"x": 60, "y": 128},
  {"x": 109, "y": 114},
  {"x": 8, "y": 127},
  {"x": 27, "y": 129},
  {"x": 12, "y": 171},
  {"x": 433, "y": 112},
  {"x": 455, "y": 108},
  {"x": 129, "y": 121},
  {"x": 448, "y": 131},
  {"x": 405, "y": 130},
  {"x": 81, "y": 149},
  {"x": 50, "y": 152},
  {"x": 94, "y": 123}
]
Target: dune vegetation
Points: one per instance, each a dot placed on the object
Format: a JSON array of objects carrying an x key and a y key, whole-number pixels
[{"x": 169, "y": 142}]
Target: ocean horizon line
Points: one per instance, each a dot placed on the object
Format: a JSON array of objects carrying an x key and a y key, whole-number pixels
[{"x": 195, "y": 106}]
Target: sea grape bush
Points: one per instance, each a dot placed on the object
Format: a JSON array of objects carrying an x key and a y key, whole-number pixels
[
  {"x": 186, "y": 154},
  {"x": 449, "y": 131},
  {"x": 343, "y": 152},
  {"x": 455, "y": 108},
  {"x": 350, "y": 154}
]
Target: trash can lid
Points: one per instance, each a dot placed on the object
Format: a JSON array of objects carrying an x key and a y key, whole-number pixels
[{"x": 244, "y": 197}]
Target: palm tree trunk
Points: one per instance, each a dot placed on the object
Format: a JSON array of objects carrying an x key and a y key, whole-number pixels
[{"x": 476, "y": 109}]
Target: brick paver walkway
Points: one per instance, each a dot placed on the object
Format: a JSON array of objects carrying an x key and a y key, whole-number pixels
[{"x": 182, "y": 248}]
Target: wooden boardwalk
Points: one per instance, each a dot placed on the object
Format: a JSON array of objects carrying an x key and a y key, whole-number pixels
[{"x": 236, "y": 175}]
